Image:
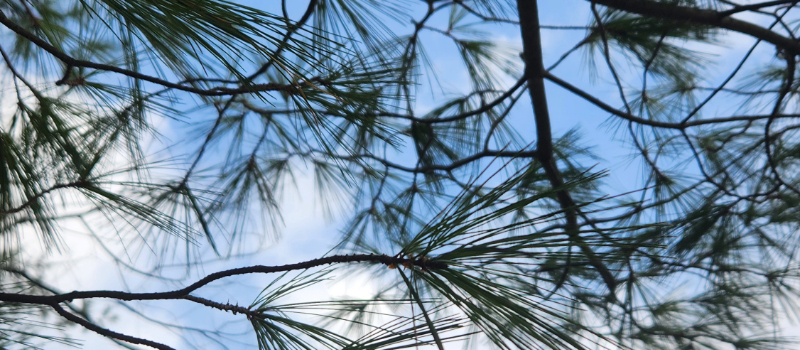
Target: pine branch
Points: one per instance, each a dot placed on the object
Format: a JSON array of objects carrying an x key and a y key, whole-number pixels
[
  {"x": 756, "y": 6},
  {"x": 33, "y": 199},
  {"x": 70, "y": 61},
  {"x": 443, "y": 167},
  {"x": 184, "y": 292},
  {"x": 54, "y": 300},
  {"x": 421, "y": 305},
  {"x": 234, "y": 309},
  {"x": 221, "y": 111},
  {"x": 702, "y": 16},
  {"x": 655, "y": 123},
  {"x": 312, "y": 5},
  {"x": 107, "y": 332},
  {"x": 735, "y": 71},
  {"x": 791, "y": 66},
  {"x": 535, "y": 72},
  {"x": 449, "y": 119}
]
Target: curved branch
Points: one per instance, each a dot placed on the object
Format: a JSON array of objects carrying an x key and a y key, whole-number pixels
[
  {"x": 107, "y": 332},
  {"x": 791, "y": 65},
  {"x": 73, "y": 62},
  {"x": 234, "y": 309},
  {"x": 484, "y": 108},
  {"x": 734, "y": 72},
  {"x": 31, "y": 200},
  {"x": 701, "y": 16}
]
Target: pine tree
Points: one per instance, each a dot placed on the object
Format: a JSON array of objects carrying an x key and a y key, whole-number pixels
[{"x": 484, "y": 226}]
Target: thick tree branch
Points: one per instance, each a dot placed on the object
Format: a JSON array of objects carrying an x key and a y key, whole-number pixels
[
  {"x": 54, "y": 300},
  {"x": 184, "y": 292},
  {"x": 712, "y": 18},
  {"x": 535, "y": 72}
]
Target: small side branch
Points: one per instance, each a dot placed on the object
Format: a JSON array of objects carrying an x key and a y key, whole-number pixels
[
  {"x": 74, "y": 62},
  {"x": 30, "y": 201},
  {"x": 232, "y": 308},
  {"x": 656, "y": 123},
  {"x": 755, "y": 7},
  {"x": 107, "y": 332}
]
